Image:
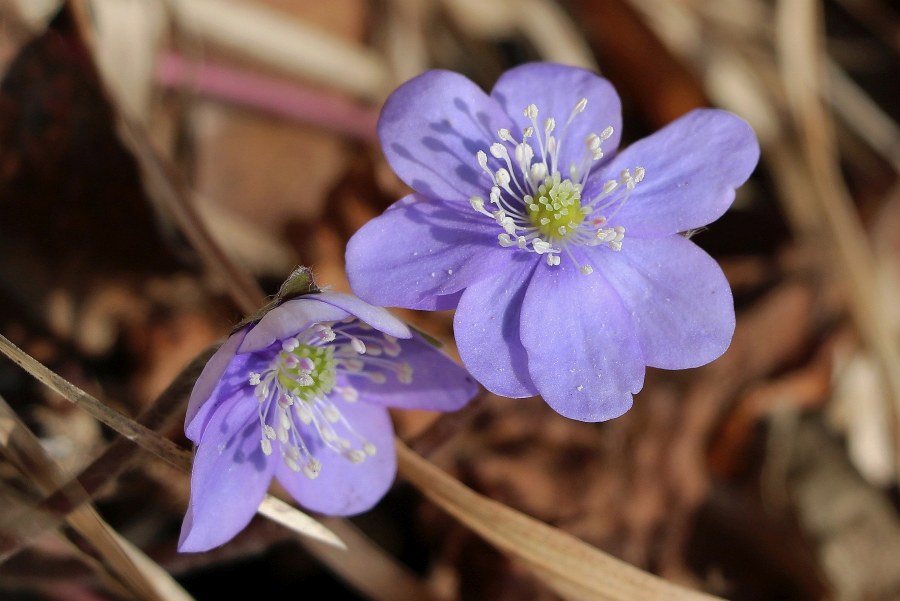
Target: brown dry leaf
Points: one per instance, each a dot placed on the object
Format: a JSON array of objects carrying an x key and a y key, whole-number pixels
[{"x": 573, "y": 568}]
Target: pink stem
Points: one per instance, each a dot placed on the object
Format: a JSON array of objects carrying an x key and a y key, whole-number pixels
[{"x": 268, "y": 94}]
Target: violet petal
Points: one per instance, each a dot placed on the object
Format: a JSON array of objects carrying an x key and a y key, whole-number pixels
[
  {"x": 229, "y": 478},
  {"x": 679, "y": 300},
  {"x": 436, "y": 383},
  {"x": 583, "y": 352},
  {"x": 430, "y": 129},
  {"x": 288, "y": 319},
  {"x": 421, "y": 249},
  {"x": 377, "y": 317},
  {"x": 342, "y": 487},
  {"x": 486, "y": 326},
  {"x": 198, "y": 409},
  {"x": 692, "y": 167}
]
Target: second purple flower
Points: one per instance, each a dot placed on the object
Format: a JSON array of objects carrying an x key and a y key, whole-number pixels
[
  {"x": 563, "y": 258},
  {"x": 301, "y": 395}
]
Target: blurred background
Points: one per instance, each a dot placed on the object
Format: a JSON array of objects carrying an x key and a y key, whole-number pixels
[{"x": 160, "y": 159}]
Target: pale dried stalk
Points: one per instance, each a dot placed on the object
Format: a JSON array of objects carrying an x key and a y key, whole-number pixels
[
  {"x": 863, "y": 116},
  {"x": 799, "y": 44},
  {"x": 128, "y": 37},
  {"x": 150, "y": 441},
  {"x": 285, "y": 43},
  {"x": 555, "y": 37},
  {"x": 543, "y": 22},
  {"x": 573, "y": 568}
]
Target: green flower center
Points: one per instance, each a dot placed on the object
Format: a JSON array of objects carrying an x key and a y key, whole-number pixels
[
  {"x": 307, "y": 371},
  {"x": 555, "y": 209}
]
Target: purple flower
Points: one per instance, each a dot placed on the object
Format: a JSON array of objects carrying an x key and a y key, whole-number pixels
[
  {"x": 302, "y": 395},
  {"x": 563, "y": 258}
]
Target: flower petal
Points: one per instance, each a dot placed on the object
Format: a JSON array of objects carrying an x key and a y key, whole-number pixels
[
  {"x": 486, "y": 326},
  {"x": 678, "y": 298},
  {"x": 555, "y": 90},
  {"x": 229, "y": 478},
  {"x": 199, "y": 409},
  {"x": 289, "y": 319},
  {"x": 437, "y": 382},
  {"x": 377, "y": 317},
  {"x": 692, "y": 167},
  {"x": 430, "y": 129},
  {"x": 583, "y": 352},
  {"x": 419, "y": 250},
  {"x": 343, "y": 487}
]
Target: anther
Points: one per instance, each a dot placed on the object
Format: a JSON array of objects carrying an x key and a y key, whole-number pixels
[
  {"x": 312, "y": 468},
  {"x": 549, "y": 125}
]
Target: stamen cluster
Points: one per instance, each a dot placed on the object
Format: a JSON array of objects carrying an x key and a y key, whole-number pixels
[
  {"x": 295, "y": 390},
  {"x": 539, "y": 210}
]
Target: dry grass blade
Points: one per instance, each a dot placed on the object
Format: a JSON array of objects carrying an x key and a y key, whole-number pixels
[
  {"x": 149, "y": 440},
  {"x": 140, "y": 574},
  {"x": 21, "y": 522},
  {"x": 573, "y": 568},
  {"x": 280, "y": 512}
]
